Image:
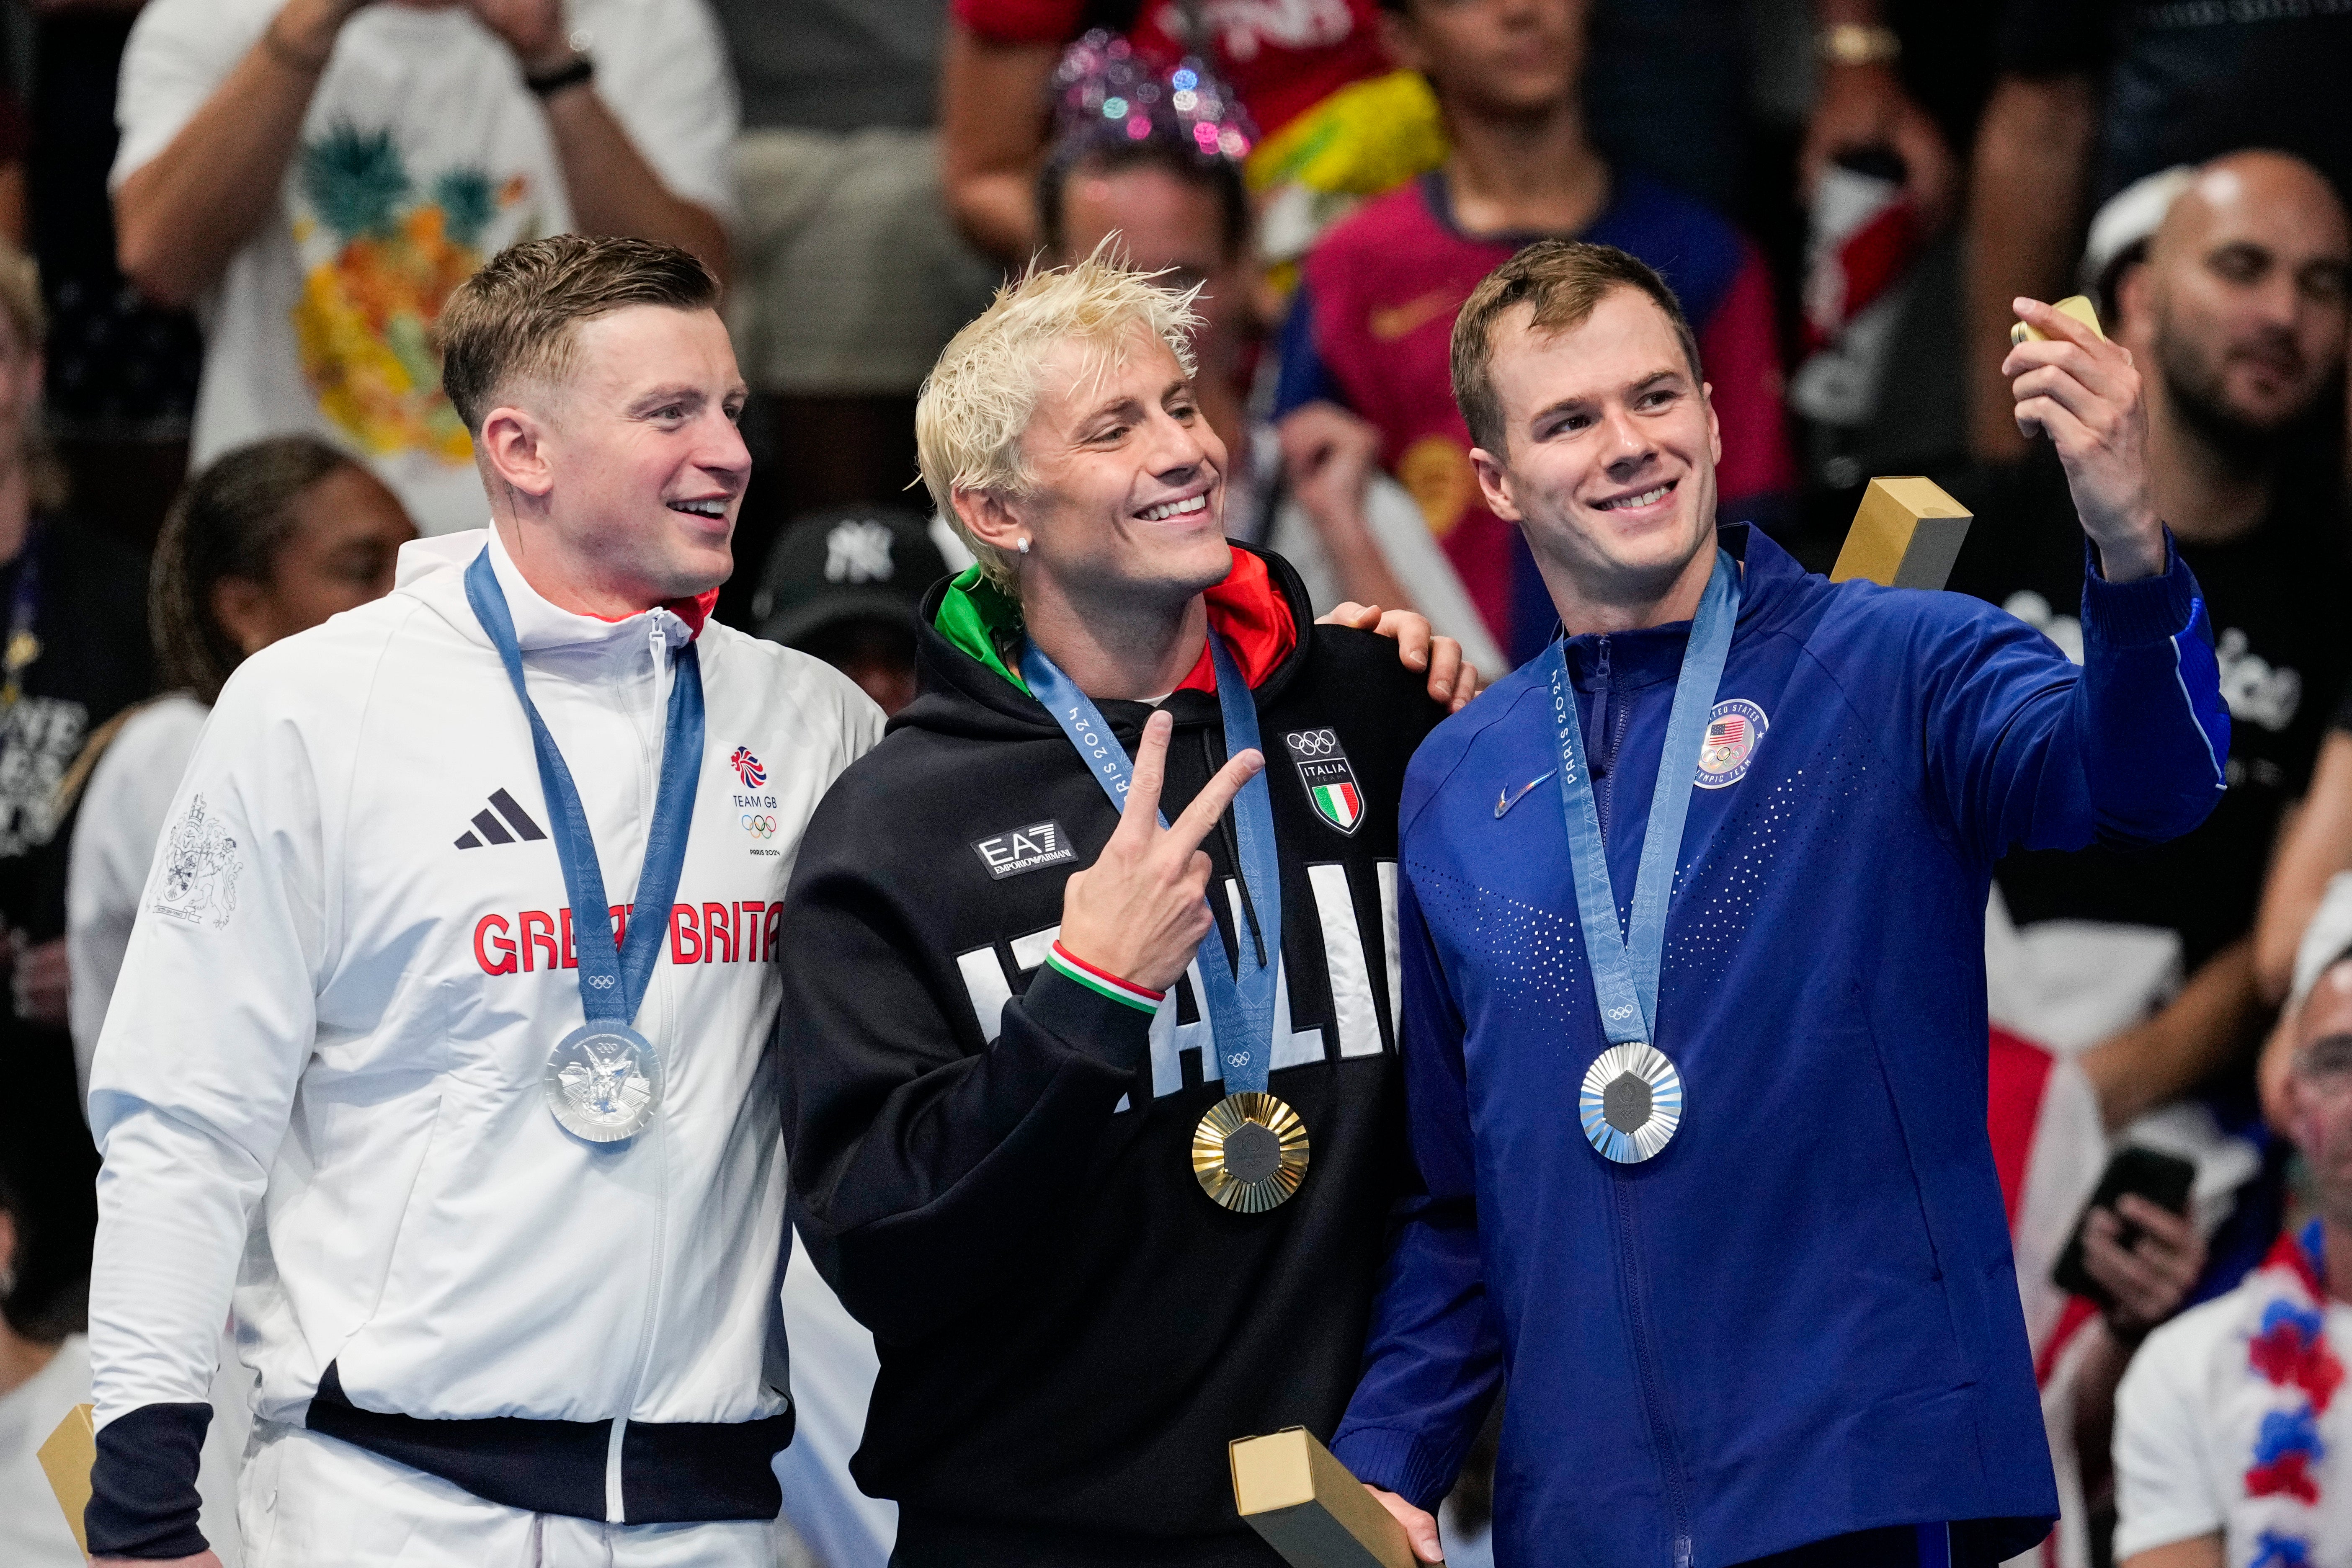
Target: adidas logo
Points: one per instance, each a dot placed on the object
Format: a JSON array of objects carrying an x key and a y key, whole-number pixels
[{"x": 488, "y": 829}]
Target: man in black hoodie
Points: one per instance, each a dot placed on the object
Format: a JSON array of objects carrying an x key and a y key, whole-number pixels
[{"x": 1106, "y": 1202}]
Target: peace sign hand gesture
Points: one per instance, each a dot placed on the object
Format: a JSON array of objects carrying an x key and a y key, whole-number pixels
[{"x": 1141, "y": 910}]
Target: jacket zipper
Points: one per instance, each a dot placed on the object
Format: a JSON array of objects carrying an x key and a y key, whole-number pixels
[
  {"x": 1654, "y": 1403},
  {"x": 1611, "y": 727},
  {"x": 648, "y": 770}
]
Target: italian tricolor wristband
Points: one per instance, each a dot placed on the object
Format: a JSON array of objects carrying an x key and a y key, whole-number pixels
[{"x": 1060, "y": 960}]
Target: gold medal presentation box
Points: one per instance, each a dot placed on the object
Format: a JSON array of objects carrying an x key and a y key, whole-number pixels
[{"x": 1310, "y": 1509}]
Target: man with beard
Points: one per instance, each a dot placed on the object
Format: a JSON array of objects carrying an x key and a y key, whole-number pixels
[{"x": 2237, "y": 315}]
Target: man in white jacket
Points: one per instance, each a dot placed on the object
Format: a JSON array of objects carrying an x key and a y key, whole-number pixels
[{"x": 501, "y": 1201}]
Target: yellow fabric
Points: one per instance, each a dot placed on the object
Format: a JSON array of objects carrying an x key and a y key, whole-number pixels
[{"x": 1370, "y": 136}]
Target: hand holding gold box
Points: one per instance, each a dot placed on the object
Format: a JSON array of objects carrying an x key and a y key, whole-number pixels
[
  {"x": 1906, "y": 533},
  {"x": 2075, "y": 305},
  {"x": 1310, "y": 1509},
  {"x": 65, "y": 1459}
]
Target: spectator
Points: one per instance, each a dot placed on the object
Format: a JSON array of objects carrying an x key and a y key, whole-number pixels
[
  {"x": 1287, "y": 65},
  {"x": 845, "y": 585},
  {"x": 852, "y": 277},
  {"x": 2237, "y": 315},
  {"x": 69, "y": 660},
  {"x": 2050, "y": 1132},
  {"x": 2233, "y": 1435},
  {"x": 269, "y": 540},
  {"x": 316, "y": 175},
  {"x": 1179, "y": 209},
  {"x": 1372, "y": 329},
  {"x": 2096, "y": 94}
]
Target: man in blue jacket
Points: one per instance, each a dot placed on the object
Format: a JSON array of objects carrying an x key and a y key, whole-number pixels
[{"x": 1695, "y": 1051}]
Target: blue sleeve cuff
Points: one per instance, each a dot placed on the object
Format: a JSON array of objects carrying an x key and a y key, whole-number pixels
[
  {"x": 2139, "y": 614},
  {"x": 1395, "y": 1460},
  {"x": 142, "y": 1489}
]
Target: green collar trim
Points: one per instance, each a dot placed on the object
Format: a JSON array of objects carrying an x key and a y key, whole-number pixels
[{"x": 978, "y": 617}]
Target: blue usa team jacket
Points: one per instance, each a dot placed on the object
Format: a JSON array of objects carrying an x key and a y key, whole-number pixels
[{"x": 1800, "y": 1318}]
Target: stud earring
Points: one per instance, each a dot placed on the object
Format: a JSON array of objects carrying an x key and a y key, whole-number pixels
[{"x": 1025, "y": 544}]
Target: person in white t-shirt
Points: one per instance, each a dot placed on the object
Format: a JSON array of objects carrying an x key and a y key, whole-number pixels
[
  {"x": 270, "y": 539},
  {"x": 314, "y": 176},
  {"x": 2233, "y": 1427}
]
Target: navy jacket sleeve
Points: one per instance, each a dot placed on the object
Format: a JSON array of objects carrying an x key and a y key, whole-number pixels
[
  {"x": 2026, "y": 752},
  {"x": 1434, "y": 1354},
  {"x": 927, "y": 1160}
]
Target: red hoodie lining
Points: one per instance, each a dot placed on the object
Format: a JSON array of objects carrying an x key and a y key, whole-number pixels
[
  {"x": 1251, "y": 614},
  {"x": 693, "y": 611}
]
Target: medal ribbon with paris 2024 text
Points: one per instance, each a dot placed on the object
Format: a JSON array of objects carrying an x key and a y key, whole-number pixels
[
  {"x": 612, "y": 976},
  {"x": 1239, "y": 994},
  {"x": 1631, "y": 1101}
]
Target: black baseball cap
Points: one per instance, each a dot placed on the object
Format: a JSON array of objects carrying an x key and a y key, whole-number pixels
[{"x": 846, "y": 563}]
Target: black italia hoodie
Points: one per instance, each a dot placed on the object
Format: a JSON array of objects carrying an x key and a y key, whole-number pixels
[{"x": 992, "y": 1161}]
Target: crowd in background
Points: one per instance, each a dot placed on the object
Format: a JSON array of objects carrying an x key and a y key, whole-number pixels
[{"x": 232, "y": 223}]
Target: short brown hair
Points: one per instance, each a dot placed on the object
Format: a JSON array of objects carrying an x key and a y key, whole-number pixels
[
  {"x": 1564, "y": 280},
  {"x": 516, "y": 317}
]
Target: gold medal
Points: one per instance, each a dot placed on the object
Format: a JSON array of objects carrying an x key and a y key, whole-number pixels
[{"x": 1250, "y": 1152}]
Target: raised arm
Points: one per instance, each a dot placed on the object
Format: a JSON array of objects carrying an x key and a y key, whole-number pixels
[
  {"x": 993, "y": 122},
  {"x": 614, "y": 187},
  {"x": 180, "y": 215},
  {"x": 928, "y": 1166},
  {"x": 2026, "y": 752}
]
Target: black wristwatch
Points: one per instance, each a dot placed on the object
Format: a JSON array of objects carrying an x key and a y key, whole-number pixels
[{"x": 572, "y": 73}]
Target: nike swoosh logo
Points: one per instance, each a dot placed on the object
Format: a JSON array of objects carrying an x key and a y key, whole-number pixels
[
  {"x": 1389, "y": 322},
  {"x": 1504, "y": 799}
]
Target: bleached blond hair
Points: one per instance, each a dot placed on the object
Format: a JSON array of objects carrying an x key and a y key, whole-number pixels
[{"x": 977, "y": 402}]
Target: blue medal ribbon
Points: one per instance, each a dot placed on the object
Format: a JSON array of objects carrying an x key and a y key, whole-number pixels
[
  {"x": 1241, "y": 996},
  {"x": 612, "y": 976},
  {"x": 1625, "y": 960}
]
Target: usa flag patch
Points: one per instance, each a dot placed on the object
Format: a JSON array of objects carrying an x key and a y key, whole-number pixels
[{"x": 1734, "y": 730}]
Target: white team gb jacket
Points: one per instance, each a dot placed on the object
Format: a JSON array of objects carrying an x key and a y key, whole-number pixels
[{"x": 321, "y": 1077}]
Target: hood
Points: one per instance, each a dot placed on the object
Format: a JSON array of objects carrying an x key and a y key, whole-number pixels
[
  {"x": 433, "y": 570},
  {"x": 971, "y": 633}
]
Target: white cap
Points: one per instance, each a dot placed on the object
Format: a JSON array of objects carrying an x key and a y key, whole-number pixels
[
  {"x": 2130, "y": 217},
  {"x": 2328, "y": 938}
]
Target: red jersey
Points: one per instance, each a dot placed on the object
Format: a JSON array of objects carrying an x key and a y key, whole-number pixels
[
  {"x": 1280, "y": 57},
  {"x": 1372, "y": 326}
]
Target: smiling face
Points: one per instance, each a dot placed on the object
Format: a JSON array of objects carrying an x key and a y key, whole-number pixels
[
  {"x": 1127, "y": 482},
  {"x": 1610, "y": 451},
  {"x": 635, "y": 460}
]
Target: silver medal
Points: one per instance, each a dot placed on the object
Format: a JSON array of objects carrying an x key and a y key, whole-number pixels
[
  {"x": 603, "y": 1082},
  {"x": 1632, "y": 1102}
]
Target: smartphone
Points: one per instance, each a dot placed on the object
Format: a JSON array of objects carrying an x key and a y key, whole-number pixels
[{"x": 2163, "y": 1180}]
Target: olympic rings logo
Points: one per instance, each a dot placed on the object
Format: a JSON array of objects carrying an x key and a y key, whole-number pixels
[
  {"x": 1313, "y": 743},
  {"x": 759, "y": 826}
]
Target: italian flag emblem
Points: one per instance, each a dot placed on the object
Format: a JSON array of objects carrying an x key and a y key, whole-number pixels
[
  {"x": 1330, "y": 783},
  {"x": 1337, "y": 803}
]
